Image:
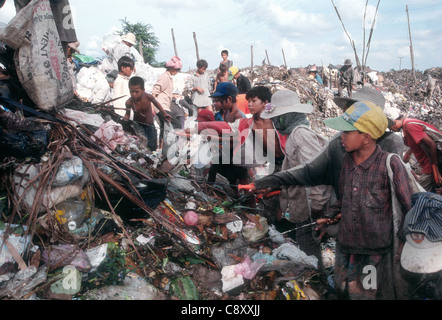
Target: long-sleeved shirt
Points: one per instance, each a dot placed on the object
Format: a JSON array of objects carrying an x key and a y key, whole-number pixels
[
  {"x": 121, "y": 89},
  {"x": 202, "y": 81},
  {"x": 325, "y": 167},
  {"x": 163, "y": 90},
  {"x": 366, "y": 225},
  {"x": 297, "y": 202}
]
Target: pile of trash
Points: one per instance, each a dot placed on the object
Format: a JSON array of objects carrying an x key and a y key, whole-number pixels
[{"x": 89, "y": 213}]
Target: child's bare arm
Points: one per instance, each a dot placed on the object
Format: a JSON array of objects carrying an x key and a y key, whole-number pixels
[
  {"x": 128, "y": 107},
  {"x": 159, "y": 107}
]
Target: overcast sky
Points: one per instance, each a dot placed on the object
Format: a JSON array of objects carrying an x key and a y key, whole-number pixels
[{"x": 309, "y": 32}]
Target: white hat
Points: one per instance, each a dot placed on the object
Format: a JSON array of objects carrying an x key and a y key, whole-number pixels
[
  {"x": 130, "y": 38},
  {"x": 285, "y": 101},
  {"x": 421, "y": 255},
  {"x": 392, "y": 113}
]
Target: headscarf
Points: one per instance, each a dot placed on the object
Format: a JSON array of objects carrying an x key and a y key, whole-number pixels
[
  {"x": 287, "y": 122},
  {"x": 174, "y": 63}
]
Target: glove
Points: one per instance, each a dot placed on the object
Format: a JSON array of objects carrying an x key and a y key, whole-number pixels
[{"x": 269, "y": 182}]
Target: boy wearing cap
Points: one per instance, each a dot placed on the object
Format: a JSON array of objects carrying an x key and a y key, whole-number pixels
[
  {"x": 242, "y": 82},
  {"x": 366, "y": 236},
  {"x": 224, "y": 98}
]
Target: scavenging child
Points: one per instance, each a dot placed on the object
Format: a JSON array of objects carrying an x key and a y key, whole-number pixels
[{"x": 141, "y": 103}]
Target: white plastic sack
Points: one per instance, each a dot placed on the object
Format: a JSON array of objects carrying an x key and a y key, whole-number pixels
[
  {"x": 23, "y": 187},
  {"x": 84, "y": 118},
  {"x": 39, "y": 57},
  {"x": 92, "y": 85}
]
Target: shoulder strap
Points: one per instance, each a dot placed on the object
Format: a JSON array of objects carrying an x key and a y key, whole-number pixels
[{"x": 397, "y": 216}]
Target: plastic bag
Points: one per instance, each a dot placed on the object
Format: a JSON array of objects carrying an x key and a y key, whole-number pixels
[
  {"x": 288, "y": 251},
  {"x": 248, "y": 268},
  {"x": 134, "y": 287},
  {"x": 66, "y": 255},
  {"x": 253, "y": 232}
]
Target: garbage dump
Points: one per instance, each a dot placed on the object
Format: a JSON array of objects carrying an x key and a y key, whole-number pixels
[{"x": 88, "y": 212}]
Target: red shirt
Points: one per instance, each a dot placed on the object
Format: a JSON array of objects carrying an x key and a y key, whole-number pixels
[{"x": 414, "y": 132}]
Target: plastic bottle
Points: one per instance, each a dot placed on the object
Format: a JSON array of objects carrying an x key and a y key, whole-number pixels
[{"x": 71, "y": 213}]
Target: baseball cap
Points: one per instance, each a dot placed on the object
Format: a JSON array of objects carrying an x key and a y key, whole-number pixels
[
  {"x": 364, "y": 116},
  {"x": 205, "y": 115},
  {"x": 225, "y": 89},
  {"x": 232, "y": 71}
]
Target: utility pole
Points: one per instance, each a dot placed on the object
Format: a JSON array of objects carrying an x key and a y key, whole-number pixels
[
  {"x": 174, "y": 43},
  {"x": 268, "y": 60},
  {"x": 411, "y": 48},
  {"x": 196, "y": 46},
  {"x": 251, "y": 57},
  {"x": 400, "y": 63},
  {"x": 140, "y": 49},
  {"x": 283, "y": 55}
]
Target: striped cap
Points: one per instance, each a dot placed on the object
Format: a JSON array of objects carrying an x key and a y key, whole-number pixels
[
  {"x": 422, "y": 252},
  {"x": 425, "y": 216}
]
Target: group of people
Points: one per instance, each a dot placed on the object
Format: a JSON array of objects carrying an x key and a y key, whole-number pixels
[
  {"x": 342, "y": 184},
  {"x": 166, "y": 104}
]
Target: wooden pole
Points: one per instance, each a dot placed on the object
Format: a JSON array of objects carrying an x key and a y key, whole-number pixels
[
  {"x": 174, "y": 43},
  {"x": 268, "y": 60},
  {"x": 411, "y": 48},
  {"x": 400, "y": 63},
  {"x": 196, "y": 47},
  {"x": 140, "y": 49},
  {"x": 251, "y": 55},
  {"x": 283, "y": 55}
]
